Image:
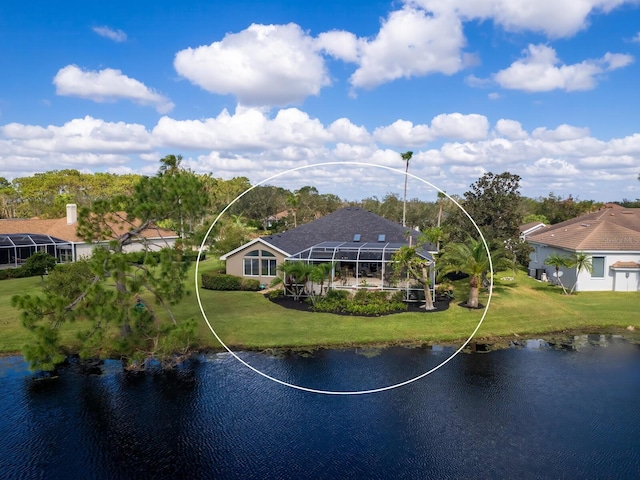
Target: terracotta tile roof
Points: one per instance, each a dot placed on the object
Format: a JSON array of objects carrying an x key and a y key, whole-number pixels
[
  {"x": 613, "y": 228},
  {"x": 60, "y": 229}
]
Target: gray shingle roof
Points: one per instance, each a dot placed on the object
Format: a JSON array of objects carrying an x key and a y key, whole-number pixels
[{"x": 341, "y": 226}]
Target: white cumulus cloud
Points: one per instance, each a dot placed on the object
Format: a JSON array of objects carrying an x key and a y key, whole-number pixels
[
  {"x": 107, "y": 85},
  {"x": 263, "y": 65},
  {"x": 339, "y": 44},
  {"x": 447, "y": 125},
  {"x": 554, "y": 18},
  {"x": 540, "y": 70},
  {"x": 411, "y": 42},
  {"x": 247, "y": 129},
  {"x": 510, "y": 129}
]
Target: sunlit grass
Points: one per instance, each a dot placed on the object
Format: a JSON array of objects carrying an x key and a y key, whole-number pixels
[{"x": 521, "y": 307}]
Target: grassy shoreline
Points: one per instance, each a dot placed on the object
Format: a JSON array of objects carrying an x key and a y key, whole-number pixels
[{"x": 520, "y": 308}]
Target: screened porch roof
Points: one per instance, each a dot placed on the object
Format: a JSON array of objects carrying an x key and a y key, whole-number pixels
[
  {"x": 13, "y": 240},
  {"x": 354, "y": 251}
]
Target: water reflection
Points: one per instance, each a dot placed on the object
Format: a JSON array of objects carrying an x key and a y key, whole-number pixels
[{"x": 531, "y": 411}]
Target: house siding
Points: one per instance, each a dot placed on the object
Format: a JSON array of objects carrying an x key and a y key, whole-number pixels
[
  {"x": 235, "y": 262},
  {"x": 613, "y": 280}
]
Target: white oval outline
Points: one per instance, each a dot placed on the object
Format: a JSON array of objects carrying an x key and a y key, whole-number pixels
[{"x": 346, "y": 392}]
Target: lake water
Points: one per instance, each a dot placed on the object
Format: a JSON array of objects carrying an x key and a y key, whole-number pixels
[{"x": 527, "y": 412}]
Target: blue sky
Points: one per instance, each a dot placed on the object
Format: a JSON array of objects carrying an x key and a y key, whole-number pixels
[{"x": 546, "y": 90}]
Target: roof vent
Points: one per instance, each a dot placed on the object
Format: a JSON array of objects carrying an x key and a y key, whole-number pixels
[
  {"x": 356, "y": 237},
  {"x": 627, "y": 212},
  {"x": 585, "y": 225}
]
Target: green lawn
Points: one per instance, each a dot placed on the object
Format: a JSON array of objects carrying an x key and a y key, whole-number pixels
[{"x": 520, "y": 307}]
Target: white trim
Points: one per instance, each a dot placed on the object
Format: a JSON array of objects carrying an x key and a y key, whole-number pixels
[{"x": 251, "y": 243}]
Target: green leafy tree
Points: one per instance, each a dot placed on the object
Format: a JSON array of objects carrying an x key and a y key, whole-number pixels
[
  {"x": 535, "y": 217},
  {"x": 557, "y": 209},
  {"x": 39, "y": 264},
  {"x": 472, "y": 259},
  {"x": 261, "y": 205},
  {"x": 493, "y": 203},
  {"x": 121, "y": 299},
  {"x": 8, "y": 196}
]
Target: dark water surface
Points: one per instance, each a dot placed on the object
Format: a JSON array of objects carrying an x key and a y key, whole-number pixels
[{"x": 530, "y": 412}]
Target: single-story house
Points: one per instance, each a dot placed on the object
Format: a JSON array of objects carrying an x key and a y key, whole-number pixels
[
  {"x": 21, "y": 238},
  {"x": 358, "y": 242},
  {"x": 610, "y": 236}
]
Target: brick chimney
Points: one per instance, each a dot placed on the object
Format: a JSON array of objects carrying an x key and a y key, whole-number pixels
[{"x": 72, "y": 213}]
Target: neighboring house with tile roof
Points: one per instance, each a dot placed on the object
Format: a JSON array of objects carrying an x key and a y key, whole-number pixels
[
  {"x": 359, "y": 242},
  {"x": 610, "y": 236},
  {"x": 20, "y": 238}
]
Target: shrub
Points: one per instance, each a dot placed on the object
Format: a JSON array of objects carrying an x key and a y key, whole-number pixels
[
  {"x": 19, "y": 272},
  {"x": 335, "y": 294},
  {"x": 397, "y": 296},
  {"x": 39, "y": 264},
  {"x": 220, "y": 281},
  {"x": 364, "y": 302},
  {"x": 249, "y": 284},
  {"x": 273, "y": 294}
]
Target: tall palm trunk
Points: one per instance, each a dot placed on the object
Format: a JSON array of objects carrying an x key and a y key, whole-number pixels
[
  {"x": 427, "y": 291},
  {"x": 474, "y": 291}
]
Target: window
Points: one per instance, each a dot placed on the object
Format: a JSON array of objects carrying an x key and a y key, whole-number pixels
[
  {"x": 251, "y": 267},
  {"x": 259, "y": 263},
  {"x": 598, "y": 267},
  {"x": 268, "y": 267},
  {"x": 381, "y": 237},
  {"x": 356, "y": 237},
  {"x": 268, "y": 263}
]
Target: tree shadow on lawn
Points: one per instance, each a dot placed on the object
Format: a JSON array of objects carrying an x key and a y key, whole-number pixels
[
  {"x": 504, "y": 287},
  {"x": 549, "y": 288}
]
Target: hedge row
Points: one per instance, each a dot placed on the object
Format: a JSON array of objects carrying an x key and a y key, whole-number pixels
[
  {"x": 14, "y": 273},
  {"x": 139, "y": 257},
  {"x": 364, "y": 302},
  {"x": 222, "y": 281}
]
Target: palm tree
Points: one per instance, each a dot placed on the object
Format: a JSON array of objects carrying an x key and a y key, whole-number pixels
[
  {"x": 408, "y": 260},
  {"x": 471, "y": 258},
  {"x": 581, "y": 261},
  {"x": 406, "y": 157},
  {"x": 293, "y": 202},
  {"x": 441, "y": 197},
  {"x": 319, "y": 273},
  {"x": 296, "y": 276},
  {"x": 171, "y": 164},
  {"x": 558, "y": 261}
]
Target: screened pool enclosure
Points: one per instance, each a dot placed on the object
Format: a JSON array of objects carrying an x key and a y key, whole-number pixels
[
  {"x": 15, "y": 248},
  {"x": 364, "y": 265}
]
